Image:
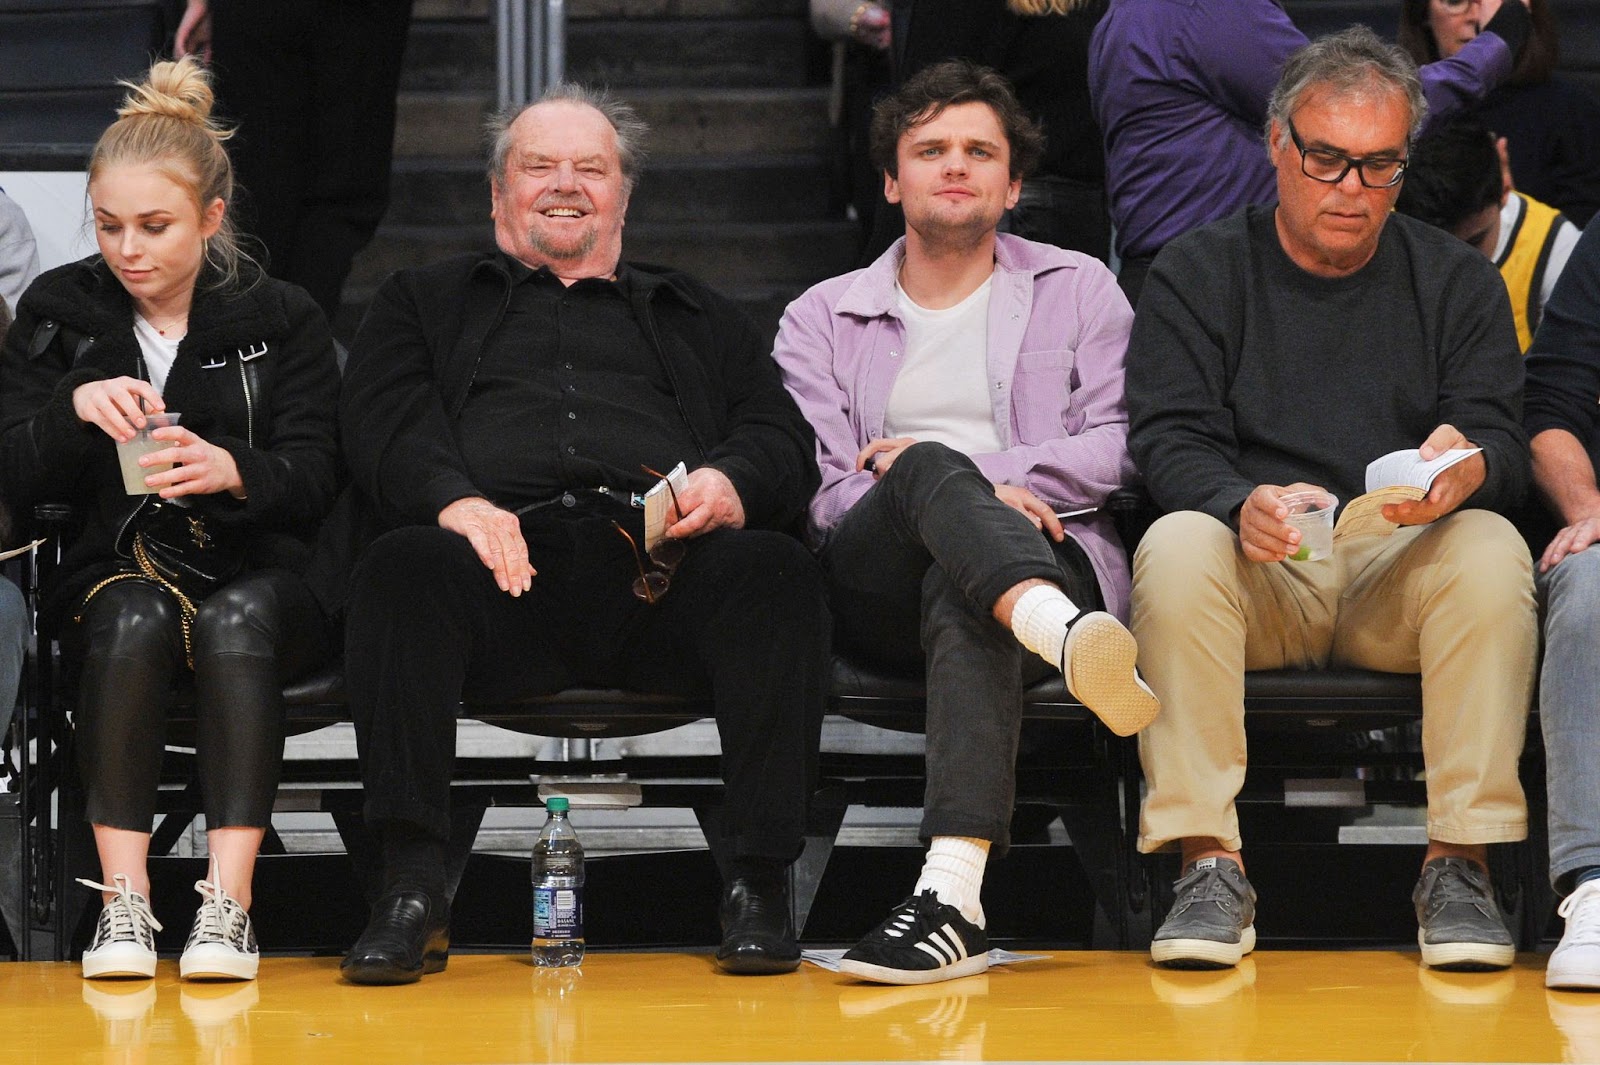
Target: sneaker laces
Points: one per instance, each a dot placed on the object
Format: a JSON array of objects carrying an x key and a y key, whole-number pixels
[
  {"x": 909, "y": 914},
  {"x": 1581, "y": 909},
  {"x": 220, "y": 918},
  {"x": 1203, "y": 885},
  {"x": 1455, "y": 883},
  {"x": 117, "y": 917}
]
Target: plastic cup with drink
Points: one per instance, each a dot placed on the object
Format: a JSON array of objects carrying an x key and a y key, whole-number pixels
[
  {"x": 1311, "y": 512},
  {"x": 142, "y": 444}
]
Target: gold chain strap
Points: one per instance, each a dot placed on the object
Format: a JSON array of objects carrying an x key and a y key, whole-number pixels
[{"x": 147, "y": 571}]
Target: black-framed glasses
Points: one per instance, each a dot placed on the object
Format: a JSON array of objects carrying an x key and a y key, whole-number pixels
[
  {"x": 1330, "y": 167},
  {"x": 664, "y": 557}
]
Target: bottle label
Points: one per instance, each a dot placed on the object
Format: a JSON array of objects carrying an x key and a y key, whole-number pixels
[{"x": 557, "y": 913}]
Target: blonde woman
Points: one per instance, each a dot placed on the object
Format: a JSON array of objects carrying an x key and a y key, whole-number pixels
[{"x": 192, "y": 569}]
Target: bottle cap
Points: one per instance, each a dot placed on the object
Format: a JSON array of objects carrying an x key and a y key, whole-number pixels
[{"x": 556, "y": 804}]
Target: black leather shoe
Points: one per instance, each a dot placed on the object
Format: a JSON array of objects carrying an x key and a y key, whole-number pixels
[
  {"x": 407, "y": 935},
  {"x": 757, "y": 927}
]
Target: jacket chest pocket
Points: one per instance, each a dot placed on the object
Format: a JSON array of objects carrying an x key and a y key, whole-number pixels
[
  {"x": 1041, "y": 394},
  {"x": 239, "y": 381}
]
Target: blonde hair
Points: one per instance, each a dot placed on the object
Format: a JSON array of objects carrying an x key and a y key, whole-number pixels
[
  {"x": 1044, "y": 7},
  {"x": 166, "y": 122}
]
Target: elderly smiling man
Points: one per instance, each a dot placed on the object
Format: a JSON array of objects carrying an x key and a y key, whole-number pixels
[
  {"x": 1284, "y": 348},
  {"x": 500, "y": 413}
]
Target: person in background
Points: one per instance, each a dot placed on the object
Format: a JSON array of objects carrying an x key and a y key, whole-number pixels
[
  {"x": 311, "y": 85},
  {"x": 1180, "y": 89},
  {"x": 190, "y": 567},
  {"x": 1457, "y": 179},
  {"x": 19, "y": 253},
  {"x": 1551, "y": 126}
]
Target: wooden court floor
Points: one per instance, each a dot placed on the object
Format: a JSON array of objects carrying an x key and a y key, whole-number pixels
[{"x": 1073, "y": 1006}]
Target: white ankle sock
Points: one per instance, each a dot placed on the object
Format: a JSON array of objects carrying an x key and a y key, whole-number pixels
[
  {"x": 954, "y": 871},
  {"x": 1039, "y": 621}
]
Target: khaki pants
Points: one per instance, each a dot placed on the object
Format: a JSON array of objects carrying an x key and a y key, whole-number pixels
[{"x": 1452, "y": 600}]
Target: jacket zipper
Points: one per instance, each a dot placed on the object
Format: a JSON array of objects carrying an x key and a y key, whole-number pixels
[{"x": 249, "y": 407}]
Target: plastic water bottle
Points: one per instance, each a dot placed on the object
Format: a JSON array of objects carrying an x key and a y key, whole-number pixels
[{"x": 557, "y": 891}]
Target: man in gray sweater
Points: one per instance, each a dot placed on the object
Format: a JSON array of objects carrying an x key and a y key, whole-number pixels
[{"x": 1281, "y": 350}]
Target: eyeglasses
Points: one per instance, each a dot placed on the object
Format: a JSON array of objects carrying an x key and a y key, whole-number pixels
[
  {"x": 665, "y": 556},
  {"x": 1330, "y": 167}
]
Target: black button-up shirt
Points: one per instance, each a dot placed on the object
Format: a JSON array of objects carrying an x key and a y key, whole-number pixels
[{"x": 569, "y": 394}]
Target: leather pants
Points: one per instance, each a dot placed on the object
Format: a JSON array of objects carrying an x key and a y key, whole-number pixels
[{"x": 249, "y": 637}]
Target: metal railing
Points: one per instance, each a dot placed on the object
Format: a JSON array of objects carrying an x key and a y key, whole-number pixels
[{"x": 530, "y": 47}]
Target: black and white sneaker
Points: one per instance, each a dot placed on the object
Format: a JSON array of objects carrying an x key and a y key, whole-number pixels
[
  {"x": 124, "y": 942},
  {"x": 922, "y": 941},
  {"x": 222, "y": 943}
]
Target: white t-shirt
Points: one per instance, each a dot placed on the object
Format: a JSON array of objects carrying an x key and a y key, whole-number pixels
[
  {"x": 159, "y": 352},
  {"x": 942, "y": 390}
]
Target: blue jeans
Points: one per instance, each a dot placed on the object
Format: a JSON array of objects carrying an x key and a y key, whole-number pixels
[
  {"x": 1569, "y": 711},
  {"x": 13, "y": 643}
]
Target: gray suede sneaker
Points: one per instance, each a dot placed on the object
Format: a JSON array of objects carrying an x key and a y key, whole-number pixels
[
  {"x": 1212, "y": 921},
  {"x": 1459, "y": 923}
]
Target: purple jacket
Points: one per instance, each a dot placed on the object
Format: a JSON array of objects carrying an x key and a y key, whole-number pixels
[
  {"x": 1180, "y": 90},
  {"x": 1058, "y": 330}
]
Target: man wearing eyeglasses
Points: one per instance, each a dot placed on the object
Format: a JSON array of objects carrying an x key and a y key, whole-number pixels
[
  {"x": 1283, "y": 349},
  {"x": 502, "y": 413},
  {"x": 966, "y": 390}
]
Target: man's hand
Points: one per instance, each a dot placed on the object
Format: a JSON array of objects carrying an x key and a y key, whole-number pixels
[
  {"x": 115, "y": 405},
  {"x": 1264, "y": 533},
  {"x": 879, "y": 455},
  {"x": 496, "y": 535},
  {"x": 709, "y": 502},
  {"x": 1036, "y": 510},
  {"x": 1450, "y": 489},
  {"x": 1569, "y": 541},
  {"x": 202, "y": 468},
  {"x": 194, "y": 31}
]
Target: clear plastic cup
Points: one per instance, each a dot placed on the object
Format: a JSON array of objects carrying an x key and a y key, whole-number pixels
[
  {"x": 142, "y": 444},
  {"x": 1312, "y": 513}
]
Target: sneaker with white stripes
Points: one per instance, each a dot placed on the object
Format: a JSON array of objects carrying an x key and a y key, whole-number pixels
[
  {"x": 124, "y": 942},
  {"x": 222, "y": 943},
  {"x": 922, "y": 941}
]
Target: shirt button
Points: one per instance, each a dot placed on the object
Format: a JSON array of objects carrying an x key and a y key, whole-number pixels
[
  {"x": 572, "y": 415},
  {"x": 571, "y": 450},
  {"x": 568, "y": 499},
  {"x": 566, "y": 366}
]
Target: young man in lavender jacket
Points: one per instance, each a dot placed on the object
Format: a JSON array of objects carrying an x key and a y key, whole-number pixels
[{"x": 966, "y": 391}]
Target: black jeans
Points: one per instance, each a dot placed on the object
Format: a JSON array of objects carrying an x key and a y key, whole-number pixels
[
  {"x": 311, "y": 84},
  {"x": 250, "y": 637},
  {"x": 914, "y": 570},
  {"x": 744, "y": 621}
]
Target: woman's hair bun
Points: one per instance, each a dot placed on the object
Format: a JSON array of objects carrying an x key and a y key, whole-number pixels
[{"x": 179, "y": 88}]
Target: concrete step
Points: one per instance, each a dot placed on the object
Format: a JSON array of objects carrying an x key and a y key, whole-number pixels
[
  {"x": 683, "y": 121},
  {"x": 749, "y": 188},
  {"x": 460, "y": 54},
  {"x": 604, "y": 9},
  {"x": 727, "y": 255}
]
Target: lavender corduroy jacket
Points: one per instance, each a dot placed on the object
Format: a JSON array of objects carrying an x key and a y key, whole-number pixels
[{"x": 1058, "y": 331}]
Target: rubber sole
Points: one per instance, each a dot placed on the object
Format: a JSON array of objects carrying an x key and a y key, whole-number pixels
[
  {"x": 1097, "y": 662},
  {"x": 122, "y": 963},
  {"x": 1466, "y": 957},
  {"x": 387, "y": 975},
  {"x": 213, "y": 961},
  {"x": 969, "y": 966},
  {"x": 1202, "y": 953}
]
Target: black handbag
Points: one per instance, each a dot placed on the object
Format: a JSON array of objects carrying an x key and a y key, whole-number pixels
[{"x": 172, "y": 546}]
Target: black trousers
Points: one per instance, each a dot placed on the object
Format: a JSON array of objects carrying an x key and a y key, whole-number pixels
[
  {"x": 311, "y": 85},
  {"x": 744, "y": 621},
  {"x": 250, "y": 637},
  {"x": 914, "y": 570}
]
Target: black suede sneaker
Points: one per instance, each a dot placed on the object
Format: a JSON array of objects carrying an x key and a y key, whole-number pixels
[{"x": 921, "y": 942}]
